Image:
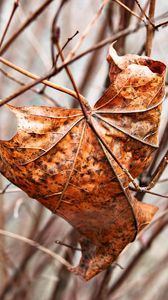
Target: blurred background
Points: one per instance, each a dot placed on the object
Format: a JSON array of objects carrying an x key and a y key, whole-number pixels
[{"x": 25, "y": 272}]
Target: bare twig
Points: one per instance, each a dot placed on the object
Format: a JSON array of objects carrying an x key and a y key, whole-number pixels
[
  {"x": 124, "y": 20},
  {"x": 37, "y": 80},
  {"x": 36, "y": 91},
  {"x": 99, "y": 45},
  {"x": 147, "y": 176},
  {"x": 5, "y": 189},
  {"x": 15, "y": 6},
  {"x": 55, "y": 32},
  {"x": 144, "y": 190},
  {"x": 131, "y": 12},
  {"x": 27, "y": 22},
  {"x": 92, "y": 61},
  {"x": 86, "y": 31},
  {"x": 68, "y": 246},
  {"x": 36, "y": 245},
  {"x": 162, "y": 24},
  {"x": 93, "y": 48},
  {"x": 159, "y": 170},
  {"x": 60, "y": 50},
  {"x": 144, "y": 13},
  {"x": 32, "y": 250},
  {"x": 150, "y": 28},
  {"x": 115, "y": 37},
  {"x": 14, "y": 190},
  {"x": 163, "y": 180},
  {"x": 83, "y": 103},
  {"x": 53, "y": 28},
  {"x": 55, "y": 59},
  {"x": 24, "y": 89},
  {"x": 55, "y": 86}
]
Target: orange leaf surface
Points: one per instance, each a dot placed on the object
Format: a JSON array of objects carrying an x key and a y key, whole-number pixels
[{"x": 80, "y": 168}]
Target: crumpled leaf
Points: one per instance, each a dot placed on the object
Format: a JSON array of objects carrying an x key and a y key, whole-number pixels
[{"x": 78, "y": 168}]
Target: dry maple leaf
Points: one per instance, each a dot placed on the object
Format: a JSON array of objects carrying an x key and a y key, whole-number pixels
[{"x": 80, "y": 167}]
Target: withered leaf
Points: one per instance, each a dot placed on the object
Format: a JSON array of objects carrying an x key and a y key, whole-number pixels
[{"x": 76, "y": 167}]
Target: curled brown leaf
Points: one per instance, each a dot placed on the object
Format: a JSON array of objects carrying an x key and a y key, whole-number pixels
[{"x": 78, "y": 167}]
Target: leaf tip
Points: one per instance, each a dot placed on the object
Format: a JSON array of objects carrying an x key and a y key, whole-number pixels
[{"x": 113, "y": 56}]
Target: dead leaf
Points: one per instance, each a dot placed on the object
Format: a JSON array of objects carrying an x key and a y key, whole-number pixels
[{"x": 80, "y": 169}]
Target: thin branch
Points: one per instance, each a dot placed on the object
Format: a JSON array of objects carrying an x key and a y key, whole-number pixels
[
  {"x": 99, "y": 45},
  {"x": 123, "y": 22},
  {"x": 158, "y": 172},
  {"x": 41, "y": 236},
  {"x": 86, "y": 31},
  {"x": 109, "y": 40},
  {"x": 55, "y": 33},
  {"x": 144, "y": 190},
  {"x": 150, "y": 29},
  {"x": 26, "y": 23},
  {"x": 36, "y": 91},
  {"x": 15, "y": 6},
  {"x": 55, "y": 59},
  {"x": 24, "y": 89},
  {"x": 60, "y": 88},
  {"x": 36, "y": 245},
  {"x": 60, "y": 50},
  {"x": 92, "y": 61},
  {"x": 84, "y": 104},
  {"x": 105, "y": 42},
  {"x": 165, "y": 23},
  {"x": 37, "y": 80},
  {"x": 163, "y": 180},
  {"x": 5, "y": 189},
  {"x": 14, "y": 190},
  {"x": 68, "y": 246},
  {"x": 144, "y": 13},
  {"x": 53, "y": 28},
  {"x": 128, "y": 9},
  {"x": 147, "y": 176},
  {"x": 124, "y": 32}
]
